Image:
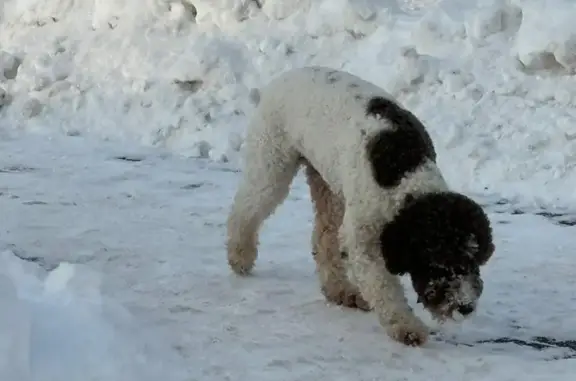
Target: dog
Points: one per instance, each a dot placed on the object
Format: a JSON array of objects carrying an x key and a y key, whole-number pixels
[{"x": 389, "y": 211}]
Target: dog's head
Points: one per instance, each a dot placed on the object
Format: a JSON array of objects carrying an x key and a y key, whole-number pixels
[{"x": 441, "y": 240}]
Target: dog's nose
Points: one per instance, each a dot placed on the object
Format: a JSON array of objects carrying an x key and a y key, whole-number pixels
[{"x": 466, "y": 309}]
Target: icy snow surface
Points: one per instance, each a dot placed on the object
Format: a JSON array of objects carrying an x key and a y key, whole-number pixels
[
  {"x": 120, "y": 127},
  {"x": 152, "y": 226}
]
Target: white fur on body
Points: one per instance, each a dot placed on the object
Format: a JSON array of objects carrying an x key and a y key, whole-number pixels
[{"x": 301, "y": 114}]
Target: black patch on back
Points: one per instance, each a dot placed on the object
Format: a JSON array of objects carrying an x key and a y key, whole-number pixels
[
  {"x": 430, "y": 236},
  {"x": 396, "y": 152}
]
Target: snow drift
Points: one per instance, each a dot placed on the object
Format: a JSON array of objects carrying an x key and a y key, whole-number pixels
[
  {"x": 57, "y": 326},
  {"x": 493, "y": 80}
]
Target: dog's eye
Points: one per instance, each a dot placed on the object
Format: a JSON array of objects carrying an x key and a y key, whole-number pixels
[
  {"x": 435, "y": 295},
  {"x": 430, "y": 295}
]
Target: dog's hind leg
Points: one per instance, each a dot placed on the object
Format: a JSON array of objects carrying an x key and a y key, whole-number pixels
[
  {"x": 270, "y": 166},
  {"x": 330, "y": 264}
]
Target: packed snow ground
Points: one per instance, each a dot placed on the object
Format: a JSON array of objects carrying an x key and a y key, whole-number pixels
[
  {"x": 120, "y": 129},
  {"x": 146, "y": 235}
]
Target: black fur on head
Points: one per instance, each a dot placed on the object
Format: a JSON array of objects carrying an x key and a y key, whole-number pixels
[
  {"x": 395, "y": 152},
  {"x": 441, "y": 240}
]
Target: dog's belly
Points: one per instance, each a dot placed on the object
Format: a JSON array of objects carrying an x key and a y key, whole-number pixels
[{"x": 329, "y": 170}]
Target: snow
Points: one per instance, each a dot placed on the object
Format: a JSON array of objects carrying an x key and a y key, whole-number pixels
[
  {"x": 120, "y": 128},
  {"x": 554, "y": 46},
  {"x": 146, "y": 235},
  {"x": 57, "y": 326}
]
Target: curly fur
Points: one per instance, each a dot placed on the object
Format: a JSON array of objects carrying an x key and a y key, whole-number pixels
[
  {"x": 454, "y": 239},
  {"x": 342, "y": 126},
  {"x": 395, "y": 152}
]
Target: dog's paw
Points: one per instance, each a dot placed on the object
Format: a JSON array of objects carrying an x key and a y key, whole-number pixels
[
  {"x": 347, "y": 298},
  {"x": 355, "y": 300},
  {"x": 352, "y": 300},
  {"x": 413, "y": 332},
  {"x": 241, "y": 259}
]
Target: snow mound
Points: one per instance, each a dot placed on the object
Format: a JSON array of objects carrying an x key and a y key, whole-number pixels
[
  {"x": 57, "y": 326},
  {"x": 547, "y": 36},
  {"x": 493, "y": 80}
]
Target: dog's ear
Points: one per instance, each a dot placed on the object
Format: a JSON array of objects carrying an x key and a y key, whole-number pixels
[
  {"x": 398, "y": 244},
  {"x": 481, "y": 253},
  {"x": 482, "y": 257}
]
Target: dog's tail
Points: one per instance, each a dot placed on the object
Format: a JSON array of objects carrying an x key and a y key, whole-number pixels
[{"x": 254, "y": 96}]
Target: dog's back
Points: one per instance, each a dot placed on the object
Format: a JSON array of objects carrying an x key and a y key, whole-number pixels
[
  {"x": 322, "y": 99},
  {"x": 321, "y": 107}
]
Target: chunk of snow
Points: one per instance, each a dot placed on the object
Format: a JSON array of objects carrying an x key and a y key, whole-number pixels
[
  {"x": 9, "y": 65},
  {"x": 491, "y": 17},
  {"x": 547, "y": 35},
  {"x": 279, "y": 9},
  {"x": 59, "y": 327}
]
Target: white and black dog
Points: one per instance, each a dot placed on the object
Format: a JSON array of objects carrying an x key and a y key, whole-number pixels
[{"x": 400, "y": 217}]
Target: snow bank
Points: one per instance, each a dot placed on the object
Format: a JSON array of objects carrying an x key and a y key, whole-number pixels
[
  {"x": 547, "y": 37},
  {"x": 493, "y": 80},
  {"x": 57, "y": 326}
]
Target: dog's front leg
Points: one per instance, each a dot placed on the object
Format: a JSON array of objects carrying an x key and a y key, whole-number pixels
[{"x": 382, "y": 290}]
